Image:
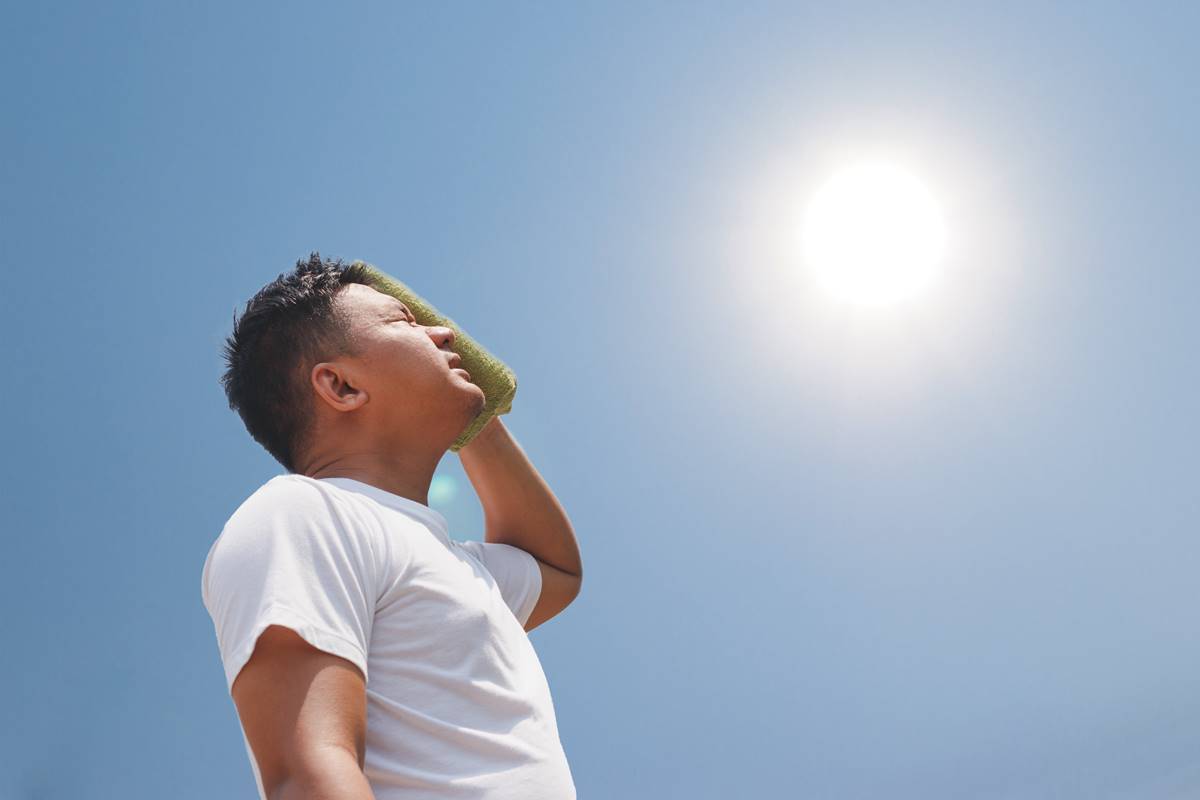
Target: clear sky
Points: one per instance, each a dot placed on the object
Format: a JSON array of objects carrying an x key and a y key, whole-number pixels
[{"x": 947, "y": 551}]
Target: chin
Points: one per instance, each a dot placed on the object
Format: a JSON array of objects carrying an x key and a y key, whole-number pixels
[
  {"x": 481, "y": 400},
  {"x": 472, "y": 400}
]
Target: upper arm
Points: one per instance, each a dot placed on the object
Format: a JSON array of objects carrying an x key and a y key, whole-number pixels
[
  {"x": 290, "y": 557},
  {"x": 303, "y": 711},
  {"x": 559, "y": 590}
]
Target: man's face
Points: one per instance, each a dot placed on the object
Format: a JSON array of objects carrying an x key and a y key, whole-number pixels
[{"x": 405, "y": 367}]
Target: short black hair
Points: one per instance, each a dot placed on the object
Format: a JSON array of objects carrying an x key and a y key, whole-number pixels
[{"x": 289, "y": 325}]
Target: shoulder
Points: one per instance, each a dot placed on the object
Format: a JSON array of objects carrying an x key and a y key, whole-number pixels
[
  {"x": 286, "y": 511},
  {"x": 285, "y": 492},
  {"x": 291, "y": 522},
  {"x": 300, "y": 502},
  {"x": 292, "y": 501}
]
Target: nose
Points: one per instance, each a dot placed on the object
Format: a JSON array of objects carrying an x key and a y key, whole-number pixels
[{"x": 442, "y": 336}]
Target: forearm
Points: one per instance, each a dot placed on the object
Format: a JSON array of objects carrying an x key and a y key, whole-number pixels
[{"x": 519, "y": 508}]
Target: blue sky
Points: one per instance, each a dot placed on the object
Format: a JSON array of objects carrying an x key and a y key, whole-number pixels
[{"x": 944, "y": 552}]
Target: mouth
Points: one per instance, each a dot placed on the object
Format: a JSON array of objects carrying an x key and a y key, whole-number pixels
[{"x": 454, "y": 361}]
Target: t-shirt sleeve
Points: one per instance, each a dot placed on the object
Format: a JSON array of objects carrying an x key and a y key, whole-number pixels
[
  {"x": 289, "y": 557},
  {"x": 516, "y": 573}
]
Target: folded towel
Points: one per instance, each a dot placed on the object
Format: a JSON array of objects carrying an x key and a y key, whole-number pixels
[{"x": 489, "y": 373}]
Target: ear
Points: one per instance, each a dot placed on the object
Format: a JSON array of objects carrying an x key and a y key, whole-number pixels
[{"x": 335, "y": 386}]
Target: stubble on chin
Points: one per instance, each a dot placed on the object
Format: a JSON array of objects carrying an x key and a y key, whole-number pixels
[{"x": 478, "y": 401}]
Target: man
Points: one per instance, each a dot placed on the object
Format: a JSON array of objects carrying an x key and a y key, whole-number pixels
[{"x": 368, "y": 654}]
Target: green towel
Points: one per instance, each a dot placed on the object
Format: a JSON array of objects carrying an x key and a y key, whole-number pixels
[{"x": 489, "y": 373}]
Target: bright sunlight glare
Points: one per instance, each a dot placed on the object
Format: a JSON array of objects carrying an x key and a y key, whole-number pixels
[{"x": 873, "y": 235}]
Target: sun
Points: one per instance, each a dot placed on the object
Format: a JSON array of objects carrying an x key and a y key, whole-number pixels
[{"x": 873, "y": 235}]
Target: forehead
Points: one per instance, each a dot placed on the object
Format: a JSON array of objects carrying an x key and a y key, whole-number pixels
[{"x": 365, "y": 301}]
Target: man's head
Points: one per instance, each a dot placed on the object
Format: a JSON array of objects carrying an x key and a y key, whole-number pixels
[{"x": 320, "y": 361}]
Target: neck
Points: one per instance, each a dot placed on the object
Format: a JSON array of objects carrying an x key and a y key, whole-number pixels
[{"x": 407, "y": 474}]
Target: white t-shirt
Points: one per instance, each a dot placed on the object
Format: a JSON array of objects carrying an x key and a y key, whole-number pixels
[{"x": 457, "y": 702}]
